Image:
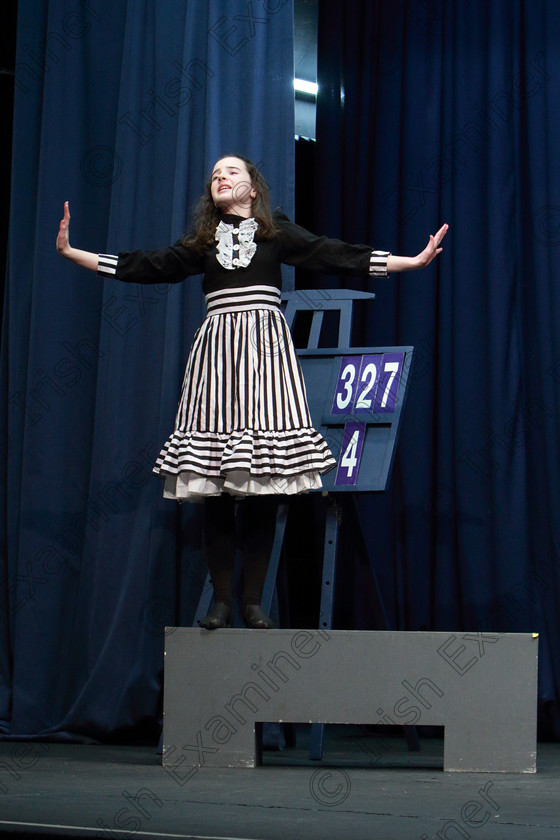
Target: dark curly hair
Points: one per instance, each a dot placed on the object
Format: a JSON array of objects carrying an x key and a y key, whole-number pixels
[{"x": 207, "y": 215}]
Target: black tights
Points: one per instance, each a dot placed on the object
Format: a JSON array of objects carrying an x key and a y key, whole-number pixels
[{"x": 256, "y": 523}]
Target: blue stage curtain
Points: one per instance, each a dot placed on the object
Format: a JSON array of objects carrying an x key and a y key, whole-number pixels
[
  {"x": 441, "y": 111},
  {"x": 121, "y": 109}
]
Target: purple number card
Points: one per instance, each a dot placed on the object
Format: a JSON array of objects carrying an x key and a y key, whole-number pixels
[
  {"x": 346, "y": 385},
  {"x": 350, "y": 454},
  {"x": 367, "y": 383},
  {"x": 388, "y": 385}
]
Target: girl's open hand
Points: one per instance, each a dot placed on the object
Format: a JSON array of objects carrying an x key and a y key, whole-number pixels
[
  {"x": 63, "y": 239},
  {"x": 433, "y": 248}
]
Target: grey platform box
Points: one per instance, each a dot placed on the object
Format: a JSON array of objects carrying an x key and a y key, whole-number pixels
[{"x": 482, "y": 687}]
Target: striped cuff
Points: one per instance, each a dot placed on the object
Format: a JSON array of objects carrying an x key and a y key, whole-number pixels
[
  {"x": 107, "y": 264},
  {"x": 378, "y": 263}
]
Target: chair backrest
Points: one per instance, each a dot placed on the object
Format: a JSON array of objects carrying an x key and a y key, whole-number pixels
[{"x": 318, "y": 301}]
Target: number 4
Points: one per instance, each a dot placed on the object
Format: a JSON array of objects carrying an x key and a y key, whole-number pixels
[{"x": 349, "y": 459}]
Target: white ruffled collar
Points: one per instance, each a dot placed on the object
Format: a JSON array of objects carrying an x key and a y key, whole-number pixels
[{"x": 235, "y": 244}]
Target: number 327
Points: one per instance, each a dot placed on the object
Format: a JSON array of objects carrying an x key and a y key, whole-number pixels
[{"x": 368, "y": 383}]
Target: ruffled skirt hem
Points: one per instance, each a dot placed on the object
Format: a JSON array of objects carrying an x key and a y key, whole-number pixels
[{"x": 244, "y": 463}]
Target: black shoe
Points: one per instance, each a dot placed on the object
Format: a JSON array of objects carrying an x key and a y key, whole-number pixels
[
  {"x": 255, "y": 618},
  {"x": 219, "y": 616}
]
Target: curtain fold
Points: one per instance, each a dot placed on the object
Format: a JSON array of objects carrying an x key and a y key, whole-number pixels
[
  {"x": 121, "y": 109},
  {"x": 433, "y": 112}
]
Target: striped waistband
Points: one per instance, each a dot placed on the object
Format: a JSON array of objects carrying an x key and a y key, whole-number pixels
[{"x": 243, "y": 299}]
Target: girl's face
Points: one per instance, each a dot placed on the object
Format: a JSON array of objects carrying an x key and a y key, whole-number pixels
[{"x": 231, "y": 187}]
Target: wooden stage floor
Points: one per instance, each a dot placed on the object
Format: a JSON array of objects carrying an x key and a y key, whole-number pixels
[{"x": 368, "y": 787}]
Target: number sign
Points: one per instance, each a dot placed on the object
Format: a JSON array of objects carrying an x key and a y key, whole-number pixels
[
  {"x": 368, "y": 384},
  {"x": 356, "y": 398}
]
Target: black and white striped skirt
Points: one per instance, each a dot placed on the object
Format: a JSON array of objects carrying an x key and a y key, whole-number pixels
[{"x": 243, "y": 424}]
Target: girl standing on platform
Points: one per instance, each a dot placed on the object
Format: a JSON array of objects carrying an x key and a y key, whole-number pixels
[{"x": 242, "y": 430}]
